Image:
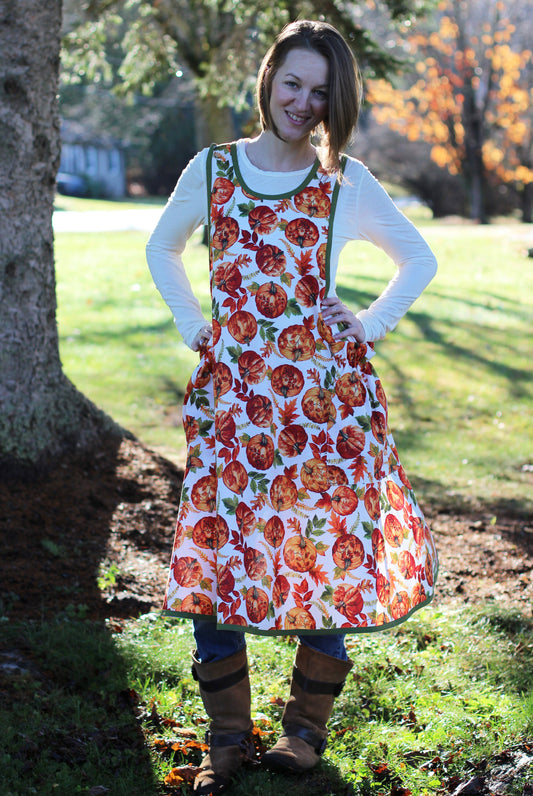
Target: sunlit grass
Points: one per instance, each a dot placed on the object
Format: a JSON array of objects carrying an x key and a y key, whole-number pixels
[
  {"x": 457, "y": 370},
  {"x": 445, "y": 688}
]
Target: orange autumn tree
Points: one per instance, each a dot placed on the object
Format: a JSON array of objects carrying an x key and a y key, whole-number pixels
[{"x": 470, "y": 98}]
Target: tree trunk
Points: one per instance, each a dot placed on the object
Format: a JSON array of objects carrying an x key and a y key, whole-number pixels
[
  {"x": 42, "y": 415},
  {"x": 214, "y": 124},
  {"x": 527, "y": 203}
]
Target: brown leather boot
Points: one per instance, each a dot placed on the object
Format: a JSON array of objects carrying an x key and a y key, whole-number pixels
[
  {"x": 316, "y": 680},
  {"x": 225, "y": 691}
]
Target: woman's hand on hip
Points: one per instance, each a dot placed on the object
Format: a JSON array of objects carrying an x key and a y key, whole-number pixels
[
  {"x": 202, "y": 338},
  {"x": 334, "y": 311}
]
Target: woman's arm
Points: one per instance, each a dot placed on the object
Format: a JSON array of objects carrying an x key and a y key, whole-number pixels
[
  {"x": 370, "y": 214},
  {"x": 185, "y": 211}
]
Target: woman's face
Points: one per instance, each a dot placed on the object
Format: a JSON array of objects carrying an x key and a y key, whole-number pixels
[{"x": 299, "y": 95}]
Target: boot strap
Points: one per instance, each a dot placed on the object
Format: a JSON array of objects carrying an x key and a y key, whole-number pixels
[
  {"x": 227, "y": 738},
  {"x": 316, "y": 686},
  {"x": 221, "y": 683},
  {"x": 312, "y": 738}
]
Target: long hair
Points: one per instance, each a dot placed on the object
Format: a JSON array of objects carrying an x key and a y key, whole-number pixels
[{"x": 344, "y": 89}]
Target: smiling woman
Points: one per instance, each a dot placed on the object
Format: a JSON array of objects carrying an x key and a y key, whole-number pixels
[
  {"x": 321, "y": 55},
  {"x": 286, "y": 417}
]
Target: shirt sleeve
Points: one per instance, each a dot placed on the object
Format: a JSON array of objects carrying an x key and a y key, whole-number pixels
[
  {"x": 185, "y": 211},
  {"x": 379, "y": 221}
]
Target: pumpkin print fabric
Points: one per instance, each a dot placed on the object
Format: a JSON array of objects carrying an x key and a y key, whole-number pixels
[{"x": 296, "y": 515}]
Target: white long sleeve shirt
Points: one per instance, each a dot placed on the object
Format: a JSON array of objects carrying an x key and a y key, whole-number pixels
[{"x": 364, "y": 212}]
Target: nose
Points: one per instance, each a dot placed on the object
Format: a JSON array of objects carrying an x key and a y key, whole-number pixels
[{"x": 302, "y": 100}]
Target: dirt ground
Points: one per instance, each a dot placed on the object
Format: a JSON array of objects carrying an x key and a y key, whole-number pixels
[{"x": 107, "y": 522}]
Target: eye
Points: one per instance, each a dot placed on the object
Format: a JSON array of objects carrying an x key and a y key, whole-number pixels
[
  {"x": 291, "y": 83},
  {"x": 321, "y": 94}
]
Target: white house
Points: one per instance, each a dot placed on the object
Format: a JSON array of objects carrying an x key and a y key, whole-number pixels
[{"x": 90, "y": 165}]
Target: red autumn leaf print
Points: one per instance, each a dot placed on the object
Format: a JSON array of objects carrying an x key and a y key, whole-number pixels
[
  {"x": 359, "y": 469},
  {"x": 301, "y": 594},
  {"x": 303, "y": 262},
  {"x": 324, "y": 502},
  {"x": 291, "y": 472},
  {"x": 345, "y": 411},
  {"x": 337, "y": 525},
  {"x": 319, "y": 575},
  {"x": 288, "y": 413}
]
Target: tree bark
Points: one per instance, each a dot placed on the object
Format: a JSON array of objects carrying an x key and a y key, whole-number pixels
[
  {"x": 42, "y": 415},
  {"x": 527, "y": 203},
  {"x": 213, "y": 123}
]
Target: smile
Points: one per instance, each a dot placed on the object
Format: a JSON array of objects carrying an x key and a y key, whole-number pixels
[{"x": 296, "y": 119}]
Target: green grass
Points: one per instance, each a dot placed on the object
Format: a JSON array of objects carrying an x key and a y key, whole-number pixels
[
  {"x": 424, "y": 704},
  {"x": 81, "y": 205},
  {"x": 457, "y": 370}
]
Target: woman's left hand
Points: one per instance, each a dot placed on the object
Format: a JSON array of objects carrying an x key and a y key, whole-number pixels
[{"x": 335, "y": 311}]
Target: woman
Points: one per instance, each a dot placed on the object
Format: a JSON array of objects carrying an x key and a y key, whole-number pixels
[{"x": 296, "y": 516}]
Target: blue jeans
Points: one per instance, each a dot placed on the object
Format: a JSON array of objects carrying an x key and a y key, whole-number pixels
[{"x": 214, "y": 645}]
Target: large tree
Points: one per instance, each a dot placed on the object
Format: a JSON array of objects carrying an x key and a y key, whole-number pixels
[
  {"x": 41, "y": 412},
  {"x": 469, "y": 96}
]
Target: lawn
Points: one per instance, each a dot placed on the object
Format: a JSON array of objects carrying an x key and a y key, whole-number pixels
[
  {"x": 457, "y": 370},
  {"x": 426, "y": 707}
]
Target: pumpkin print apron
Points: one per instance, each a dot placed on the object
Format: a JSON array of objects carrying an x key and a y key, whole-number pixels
[{"x": 296, "y": 515}]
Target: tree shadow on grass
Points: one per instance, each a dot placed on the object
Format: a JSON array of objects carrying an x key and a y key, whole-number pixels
[
  {"x": 324, "y": 780},
  {"x": 70, "y": 718},
  {"x": 69, "y": 540},
  {"x": 519, "y": 379}
]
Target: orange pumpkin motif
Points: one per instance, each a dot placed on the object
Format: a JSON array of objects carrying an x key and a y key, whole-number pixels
[
  {"x": 393, "y": 530},
  {"x": 263, "y": 220},
  {"x": 211, "y": 533},
  {"x": 307, "y": 291},
  {"x": 226, "y": 233},
  {"x": 283, "y": 493},
  {"x": 302, "y": 232},
  {"x": 222, "y": 191},
  {"x": 252, "y": 367},
  {"x": 256, "y": 604},
  {"x": 317, "y": 405},
  {"x": 235, "y": 477},
  {"x": 299, "y": 619},
  {"x": 313, "y": 202},
  {"x": 274, "y": 531},
  {"x": 204, "y": 493},
  {"x": 242, "y": 326},
  {"x": 280, "y": 591},
  {"x": 350, "y": 389},
  {"x": 187, "y": 571},
  {"x": 287, "y": 381},
  {"x": 197, "y": 603},
  {"x": 350, "y": 442},
  {"x": 296, "y": 343},
  {"x": 348, "y": 552},
  {"x": 259, "y": 411},
  {"x": 271, "y": 300},
  {"x": 271, "y": 260},
  {"x": 246, "y": 520},
  {"x": 299, "y": 553},
  {"x": 348, "y": 601},
  {"x": 260, "y": 451},
  {"x": 292, "y": 440}
]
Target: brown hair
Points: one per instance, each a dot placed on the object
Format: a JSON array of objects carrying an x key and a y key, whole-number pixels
[{"x": 344, "y": 90}]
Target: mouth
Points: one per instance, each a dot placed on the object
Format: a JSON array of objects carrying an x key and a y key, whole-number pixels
[{"x": 296, "y": 119}]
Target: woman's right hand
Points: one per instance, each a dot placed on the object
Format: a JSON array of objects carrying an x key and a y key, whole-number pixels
[{"x": 202, "y": 338}]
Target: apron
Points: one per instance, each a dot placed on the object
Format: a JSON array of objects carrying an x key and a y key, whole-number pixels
[{"x": 296, "y": 515}]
